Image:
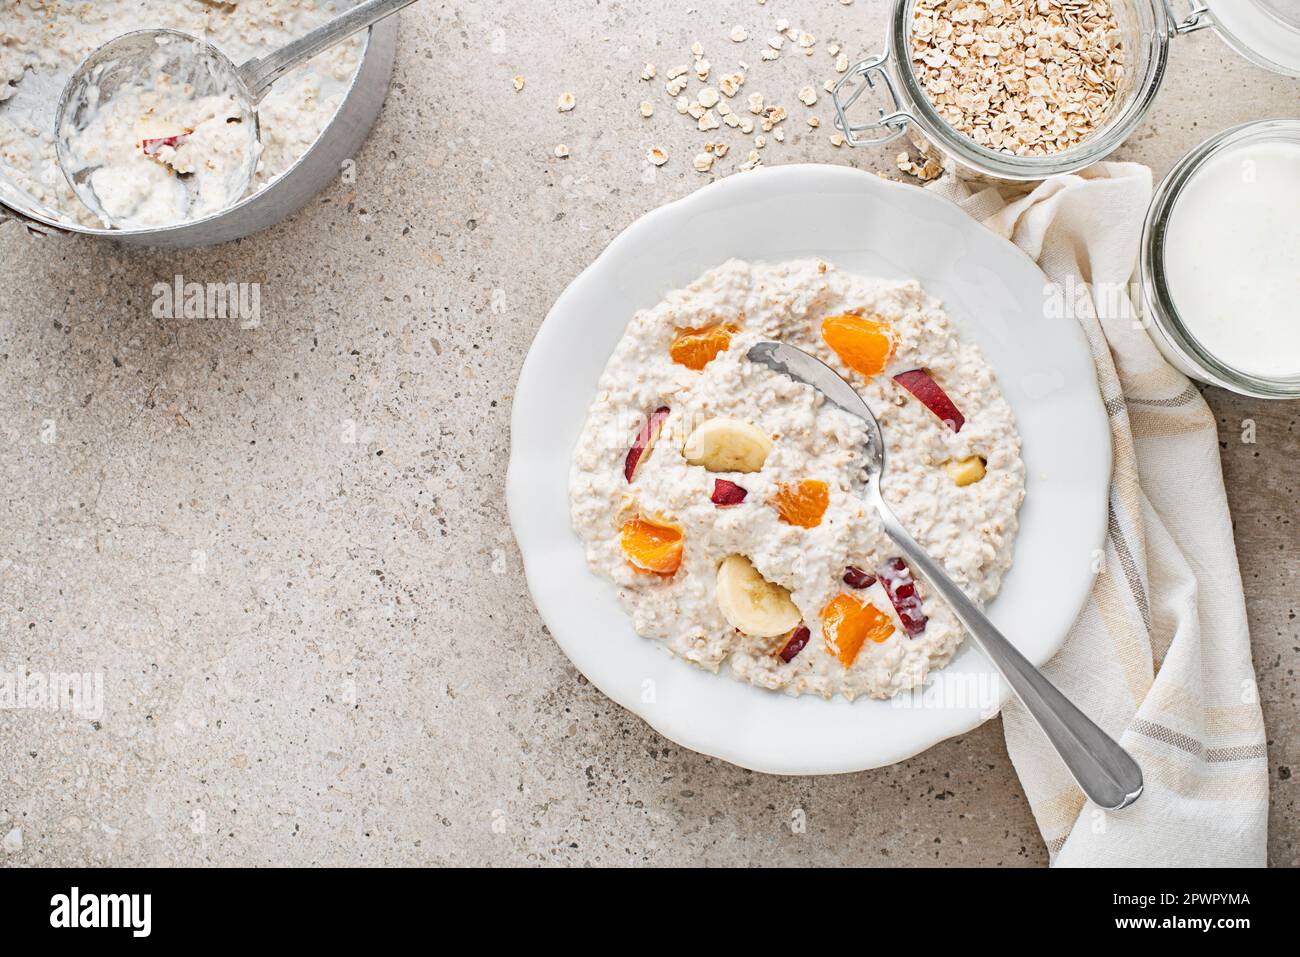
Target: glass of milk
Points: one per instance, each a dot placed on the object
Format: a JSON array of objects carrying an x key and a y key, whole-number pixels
[{"x": 1221, "y": 261}]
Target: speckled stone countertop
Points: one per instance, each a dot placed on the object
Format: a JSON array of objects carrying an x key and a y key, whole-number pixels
[{"x": 285, "y": 547}]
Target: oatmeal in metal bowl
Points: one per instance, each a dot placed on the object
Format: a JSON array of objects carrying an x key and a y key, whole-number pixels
[
  {"x": 1029, "y": 77},
  {"x": 42, "y": 41},
  {"x": 722, "y": 498}
]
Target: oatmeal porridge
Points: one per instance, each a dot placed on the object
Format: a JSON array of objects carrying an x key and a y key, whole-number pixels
[
  {"x": 42, "y": 41},
  {"x": 722, "y": 498}
]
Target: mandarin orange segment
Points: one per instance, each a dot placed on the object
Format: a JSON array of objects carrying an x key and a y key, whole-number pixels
[
  {"x": 847, "y": 624},
  {"x": 864, "y": 345},
  {"x": 803, "y": 503},
  {"x": 652, "y": 546},
  {"x": 696, "y": 348}
]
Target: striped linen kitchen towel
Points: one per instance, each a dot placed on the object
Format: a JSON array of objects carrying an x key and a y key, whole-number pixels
[{"x": 1160, "y": 655}]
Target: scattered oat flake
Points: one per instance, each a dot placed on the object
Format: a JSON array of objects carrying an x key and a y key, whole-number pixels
[
  {"x": 708, "y": 97},
  {"x": 837, "y": 139},
  {"x": 657, "y": 156},
  {"x": 842, "y": 63},
  {"x": 739, "y": 34},
  {"x": 566, "y": 102},
  {"x": 648, "y": 72},
  {"x": 808, "y": 96},
  {"x": 519, "y": 82},
  {"x": 704, "y": 162},
  {"x": 731, "y": 83},
  {"x": 930, "y": 169},
  {"x": 647, "y": 108},
  {"x": 561, "y": 152}
]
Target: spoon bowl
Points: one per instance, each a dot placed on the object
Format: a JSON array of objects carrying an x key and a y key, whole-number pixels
[{"x": 146, "y": 69}]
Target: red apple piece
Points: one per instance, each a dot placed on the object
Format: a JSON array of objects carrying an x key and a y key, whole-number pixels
[
  {"x": 798, "y": 638},
  {"x": 726, "y": 494},
  {"x": 154, "y": 146},
  {"x": 896, "y": 577},
  {"x": 922, "y": 385},
  {"x": 644, "y": 441},
  {"x": 855, "y": 577}
]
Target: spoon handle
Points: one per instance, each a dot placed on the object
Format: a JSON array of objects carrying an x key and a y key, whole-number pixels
[
  {"x": 1106, "y": 772},
  {"x": 260, "y": 72}
]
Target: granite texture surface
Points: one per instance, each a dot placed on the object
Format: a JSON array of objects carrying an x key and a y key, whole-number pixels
[{"x": 282, "y": 544}]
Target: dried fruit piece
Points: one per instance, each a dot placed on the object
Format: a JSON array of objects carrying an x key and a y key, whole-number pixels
[
  {"x": 901, "y": 589},
  {"x": 863, "y": 345},
  {"x": 727, "y": 445},
  {"x": 921, "y": 384},
  {"x": 848, "y": 623},
  {"x": 696, "y": 348},
  {"x": 803, "y": 503},
  {"x": 795, "y": 645},
  {"x": 855, "y": 577},
  {"x": 644, "y": 441},
  {"x": 965, "y": 471},
  {"x": 752, "y": 604},
  {"x": 652, "y": 546},
  {"x": 154, "y": 146},
  {"x": 726, "y": 494}
]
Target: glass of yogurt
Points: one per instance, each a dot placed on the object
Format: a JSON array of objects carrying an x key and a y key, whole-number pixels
[{"x": 1221, "y": 261}]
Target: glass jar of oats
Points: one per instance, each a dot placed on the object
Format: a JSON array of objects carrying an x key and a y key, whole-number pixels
[{"x": 1025, "y": 89}]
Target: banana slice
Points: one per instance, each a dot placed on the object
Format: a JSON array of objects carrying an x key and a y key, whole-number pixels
[
  {"x": 727, "y": 445},
  {"x": 751, "y": 603}
]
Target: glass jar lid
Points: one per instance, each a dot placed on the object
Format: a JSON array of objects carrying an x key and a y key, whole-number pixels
[{"x": 1266, "y": 32}]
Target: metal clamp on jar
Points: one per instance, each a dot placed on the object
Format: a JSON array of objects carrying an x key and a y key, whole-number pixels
[{"x": 1265, "y": 31}]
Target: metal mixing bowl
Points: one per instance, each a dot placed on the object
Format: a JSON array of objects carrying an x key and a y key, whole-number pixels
[{"x": 285, "y": 195}]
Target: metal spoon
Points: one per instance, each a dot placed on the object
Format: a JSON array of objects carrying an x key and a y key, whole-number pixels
[
  {"x": 1106, "y": 772},
  {"x": 137, "y": 59}
]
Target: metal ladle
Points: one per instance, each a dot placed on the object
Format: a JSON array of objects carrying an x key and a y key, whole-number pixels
[
  {"x": 1106, "y": 773},
  {"x": 136, "y": 59}
]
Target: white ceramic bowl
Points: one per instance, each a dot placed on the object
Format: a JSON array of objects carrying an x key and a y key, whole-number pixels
[{"x": 866, "y": 225}]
